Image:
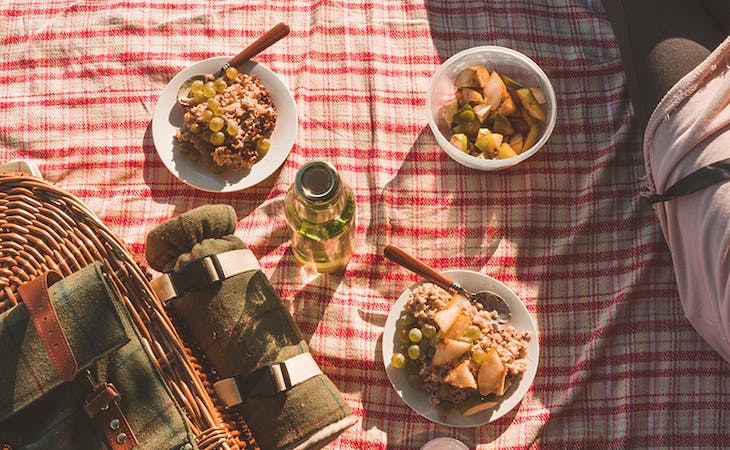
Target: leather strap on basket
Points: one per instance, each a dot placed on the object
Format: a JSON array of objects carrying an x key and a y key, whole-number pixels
[
  {"x": 38, "y": 302},
  {"x": 102, "y": 407}
]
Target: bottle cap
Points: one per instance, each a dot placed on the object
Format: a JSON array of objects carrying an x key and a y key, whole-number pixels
[{"x": 317, "y": 181}]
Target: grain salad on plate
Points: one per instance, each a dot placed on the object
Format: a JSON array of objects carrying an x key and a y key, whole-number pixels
[
  {"x": 229, "y": 121},
  {"x": 454, "y": 350}
]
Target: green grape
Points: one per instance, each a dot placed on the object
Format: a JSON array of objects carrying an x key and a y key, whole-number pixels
[
  {"x": 263, "y": 145},
  {"x": 220, "y": 85},
  {"x": 207, "y": 115},
  {"x": 415, "y": 335},
  {"x": 403, "y": 337},
  {"x": 406, "y": 320},
  {"x": 196, "y": 86},
  {"x": 478, "y": 355},
  {"x": 209, "y": 90},
  {"x": 198, "y": 97},
  {"x": 398, "y": 360},
  {"x": 428, "y": 330},
  {"x": 232, "y": 128},
  {"x": 414, "y": 352},
  {"x": 231, "y": 73},
  {"x": 472, "y": 332},
  {"x": 195, "y": 128},
  {"x": 213, "y": 105},
  {"x": 216, "y": 124},
  {"x": 217, "y": 138}
]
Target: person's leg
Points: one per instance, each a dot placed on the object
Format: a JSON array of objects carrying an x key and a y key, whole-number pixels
[{"x": 660, "y": 42}]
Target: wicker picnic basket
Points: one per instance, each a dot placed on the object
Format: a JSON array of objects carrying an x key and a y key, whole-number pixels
[{"x": 43, "y": 227}]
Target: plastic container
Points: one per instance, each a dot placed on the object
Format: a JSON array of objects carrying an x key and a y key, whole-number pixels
[
  {"x": 320, "y": 209},
  {"x": 444, "y": 443},
  {"x": 506, "y": 61}
]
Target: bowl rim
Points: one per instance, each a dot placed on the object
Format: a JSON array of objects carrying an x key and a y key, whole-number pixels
[{"x": 492, "y": 164}]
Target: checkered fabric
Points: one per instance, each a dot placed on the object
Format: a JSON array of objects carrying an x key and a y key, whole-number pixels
[
  {"x": 567, "y": 229},
  {"x": 40, "y": 411}
]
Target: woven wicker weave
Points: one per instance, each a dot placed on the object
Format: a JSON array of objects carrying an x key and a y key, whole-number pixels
[{"x": 43, "y": 227}]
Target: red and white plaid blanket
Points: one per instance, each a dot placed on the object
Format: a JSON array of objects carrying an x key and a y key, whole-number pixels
[{"x": 567, "y": 230}]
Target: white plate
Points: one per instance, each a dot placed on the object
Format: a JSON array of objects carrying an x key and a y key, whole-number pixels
[
  {"x": 168, "y": 117},
  {"x": 417, "y": 399}
]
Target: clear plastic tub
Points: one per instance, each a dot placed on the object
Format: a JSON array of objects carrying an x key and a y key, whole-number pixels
[{"x": 506, "y": 61}]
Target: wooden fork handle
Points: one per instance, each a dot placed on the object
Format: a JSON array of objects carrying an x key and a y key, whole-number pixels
[
  {"x": 268, "y": 39},
  {"x": 399, "y": 256}
]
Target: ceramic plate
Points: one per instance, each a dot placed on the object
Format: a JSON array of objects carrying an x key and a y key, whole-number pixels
[
  {"x": 168, "y": 117},
  {"x": 417, "y": 398}
]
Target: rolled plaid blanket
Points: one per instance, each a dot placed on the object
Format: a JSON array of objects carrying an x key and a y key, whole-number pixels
[{"x": 228, "y": 306}]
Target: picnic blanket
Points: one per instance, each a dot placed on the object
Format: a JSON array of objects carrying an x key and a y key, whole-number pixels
[{"x": 567, "y": 230}]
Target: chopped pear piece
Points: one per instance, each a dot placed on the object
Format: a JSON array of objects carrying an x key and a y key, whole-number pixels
[
  {"x": 467, "y": 78},
  {"x": 505, "y": 151},
  {"x": 509, "y": 82},
  {"x": 529, "y": 102},
  {"x": 482, "y": 75},
  {"x": 494, "y": 90},
  {"x": 508, "y": 106},
  {"x": 498, "y": 139},
  {"x": 482, "y": 110},
  {"x": 516, "y": 142},
  {"x": 527, "y": 117},
  {"x": 446, "y": 317},
  {"x": 475, "y": 404},
  {"x": 502, "y": 125},
  {"x": 486, "y": 142},
  {"x": 457, "y": 329},
  {"x": 470, "y": 96},
  {"x": 460, "y": 141},
  {"x": 491, "y": 375},
  {"x": 449, "y": 350},
  {"x": 531, "y": 137},
  {"x": 539, "y": 95},
  {"x": 461, "y": 377},
  {"x": 448, "y": 110},
  {"x": 457, "y": 300}
]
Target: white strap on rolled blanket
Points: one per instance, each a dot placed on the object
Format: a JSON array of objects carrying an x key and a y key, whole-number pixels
[
  {"x": 268, "y": 380},
  {"x": 203, "y": 272}
]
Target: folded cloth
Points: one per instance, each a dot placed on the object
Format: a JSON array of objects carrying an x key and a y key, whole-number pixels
[
  {"x": 242, "y": 327},
  {"x": 690, "y": 129},
  {"x": 38, "y": 410}
]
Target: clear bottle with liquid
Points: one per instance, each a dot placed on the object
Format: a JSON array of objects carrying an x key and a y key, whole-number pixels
[{"x": 320, "y": 209}]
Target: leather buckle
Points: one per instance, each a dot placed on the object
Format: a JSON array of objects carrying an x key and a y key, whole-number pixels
[
  {"x": 197, "y": 275},
  {"x": 265, "y": 381}
]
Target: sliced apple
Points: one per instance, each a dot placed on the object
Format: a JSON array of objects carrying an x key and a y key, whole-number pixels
[
  {"x": 461, "y": 377},
  {"x": 494, "y": 90},
  {"x": 491, "y": 375},
  {"x": 531, "y": 137},
  {"x": 447, "y": 316},
  {"x": 516, "y": 141},
  {"x": 502, "y": 125},
  {"x": 505, "y": 151},
  {"x": 482, "y": 111},
  {"x": 508, "y": 106},
  {"x": 458, "y": 328},
  {"x": 449, "y": 350},
  {"x": 482, "y": 75},
  {"x": 509, "y": 82},
  {"x": 460, "y": 141},
  {"x": 486, "y": 142},
  {"x": 448, "y": 110},
  {"x": 530, "y": 103},
  {"x": 467, "y": 78},
  {"x": 470, "y": 96},
  {"x": 475, "y": 404},
  {"x": 539, "y": 95}
]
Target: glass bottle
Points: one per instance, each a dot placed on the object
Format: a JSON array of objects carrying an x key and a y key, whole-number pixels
[{"x": 320, "y": 209}]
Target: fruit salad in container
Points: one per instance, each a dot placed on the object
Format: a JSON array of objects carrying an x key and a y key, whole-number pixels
[{"x": 493, "y": 116}]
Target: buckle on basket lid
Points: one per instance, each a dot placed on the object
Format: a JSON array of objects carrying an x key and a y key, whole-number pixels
[
  {"x": 203, "y": 272},
  {"x": 267, "y": 381}
]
